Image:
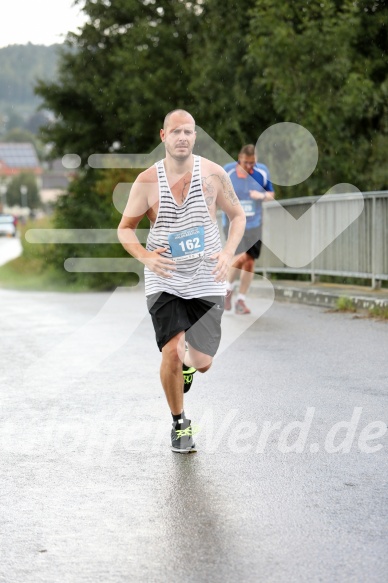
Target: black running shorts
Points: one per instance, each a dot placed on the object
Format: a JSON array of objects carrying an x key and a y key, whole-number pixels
[
  {"x": 250, "y": 243},
  {"x": 199, "y": 318}
]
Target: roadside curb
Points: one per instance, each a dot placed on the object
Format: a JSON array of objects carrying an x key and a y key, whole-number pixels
[{"x": 321, "y": 298}]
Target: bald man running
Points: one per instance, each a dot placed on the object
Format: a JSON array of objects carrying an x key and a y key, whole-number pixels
[{"x": 185, "y": 264}]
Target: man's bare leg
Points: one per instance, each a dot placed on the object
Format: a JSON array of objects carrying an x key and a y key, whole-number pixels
[
  {"x": 246, "y": 276},
  {"x": 233, "y": 274},
  {"x": 237, "y": 263},
  {"x": 171, "y": 372},
  {"x": 202, "y": 362},
  {"x": 173, "y": 354}
]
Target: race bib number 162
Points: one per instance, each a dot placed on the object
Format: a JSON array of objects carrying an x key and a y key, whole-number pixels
[{"x": 187, "y": 244}]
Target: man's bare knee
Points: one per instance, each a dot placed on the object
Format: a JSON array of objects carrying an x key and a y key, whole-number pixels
[
  {"x": 200, "y": 361},
  {"x": 172, "y": 350},
  {"x": 239, "y": 262},
  {"x": 205, "y": 368},
  {"x": 248, "y": 264}
]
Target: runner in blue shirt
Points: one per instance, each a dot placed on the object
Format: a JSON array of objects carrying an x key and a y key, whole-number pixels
[{"x": 252, "y": 184}]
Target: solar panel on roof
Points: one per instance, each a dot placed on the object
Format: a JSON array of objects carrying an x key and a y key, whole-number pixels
[{"x": 19, "y": 155}]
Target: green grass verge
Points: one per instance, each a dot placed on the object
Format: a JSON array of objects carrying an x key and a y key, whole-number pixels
[
  {"x": 380, "y": 312},
  {"x": 22, "y": 274},
  {"x": 345, "y": 304},
  {"x": 31, "y": 271}
]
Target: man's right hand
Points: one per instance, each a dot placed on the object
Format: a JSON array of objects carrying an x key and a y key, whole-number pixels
[{"x": 162, "y": 266}]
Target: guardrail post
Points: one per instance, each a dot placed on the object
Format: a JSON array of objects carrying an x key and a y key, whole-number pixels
[
  {"x": 376, "y": 284},
  {"x": 314, "y": 278}
]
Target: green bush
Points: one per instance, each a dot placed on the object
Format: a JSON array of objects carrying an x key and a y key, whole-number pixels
[
  {"x": 89, "y": 205},
  {"x": 32, "y": 194}
]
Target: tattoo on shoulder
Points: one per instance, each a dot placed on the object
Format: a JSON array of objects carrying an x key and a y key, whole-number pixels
[{"x": 209, "y": 188}]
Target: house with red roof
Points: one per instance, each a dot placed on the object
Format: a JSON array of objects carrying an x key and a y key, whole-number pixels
[{"x": 16, "y": 158}]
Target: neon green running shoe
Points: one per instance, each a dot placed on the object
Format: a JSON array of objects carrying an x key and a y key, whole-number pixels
[
  {"x": 188, "y": 372},
  {"x": 182, "y": 436}
]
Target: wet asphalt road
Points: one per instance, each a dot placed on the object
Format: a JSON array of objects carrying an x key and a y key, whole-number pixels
[
  {"x": 90, "y": 492},
  {"x": 10, "y": 248}
]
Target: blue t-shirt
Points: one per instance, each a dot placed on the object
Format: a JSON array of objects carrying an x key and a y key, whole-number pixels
[{"x": 258, "y": 180}]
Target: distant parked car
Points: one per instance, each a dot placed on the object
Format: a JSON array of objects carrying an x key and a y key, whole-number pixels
[{"x": 8, "y": 225}]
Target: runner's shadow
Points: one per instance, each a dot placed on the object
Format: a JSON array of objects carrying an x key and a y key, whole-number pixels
[{"x": 196, "y": 536}]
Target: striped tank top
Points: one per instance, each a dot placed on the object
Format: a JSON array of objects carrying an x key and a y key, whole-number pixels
[{"x": 190, "y": 235}]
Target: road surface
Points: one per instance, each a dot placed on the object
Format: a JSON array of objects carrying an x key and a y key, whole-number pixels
[
  {"x": 278, "y": 491},
  {"x": 10, "y": 248}
]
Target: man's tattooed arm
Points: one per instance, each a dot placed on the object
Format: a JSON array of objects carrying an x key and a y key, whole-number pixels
[
  {"x": 210, "y": 192},
  {"x": 229, "y": 190}
]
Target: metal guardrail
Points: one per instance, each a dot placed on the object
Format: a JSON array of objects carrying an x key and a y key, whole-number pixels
[{"x": 361, "y": 251}]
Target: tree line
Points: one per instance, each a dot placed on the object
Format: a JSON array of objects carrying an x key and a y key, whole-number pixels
[{"x": 238, "y": 68}]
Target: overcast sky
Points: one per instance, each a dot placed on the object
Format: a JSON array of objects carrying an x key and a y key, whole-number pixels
[{"x": 42, "y": 22}]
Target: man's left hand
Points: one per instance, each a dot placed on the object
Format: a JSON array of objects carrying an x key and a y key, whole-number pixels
[{"x": 257, "y": 195}]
